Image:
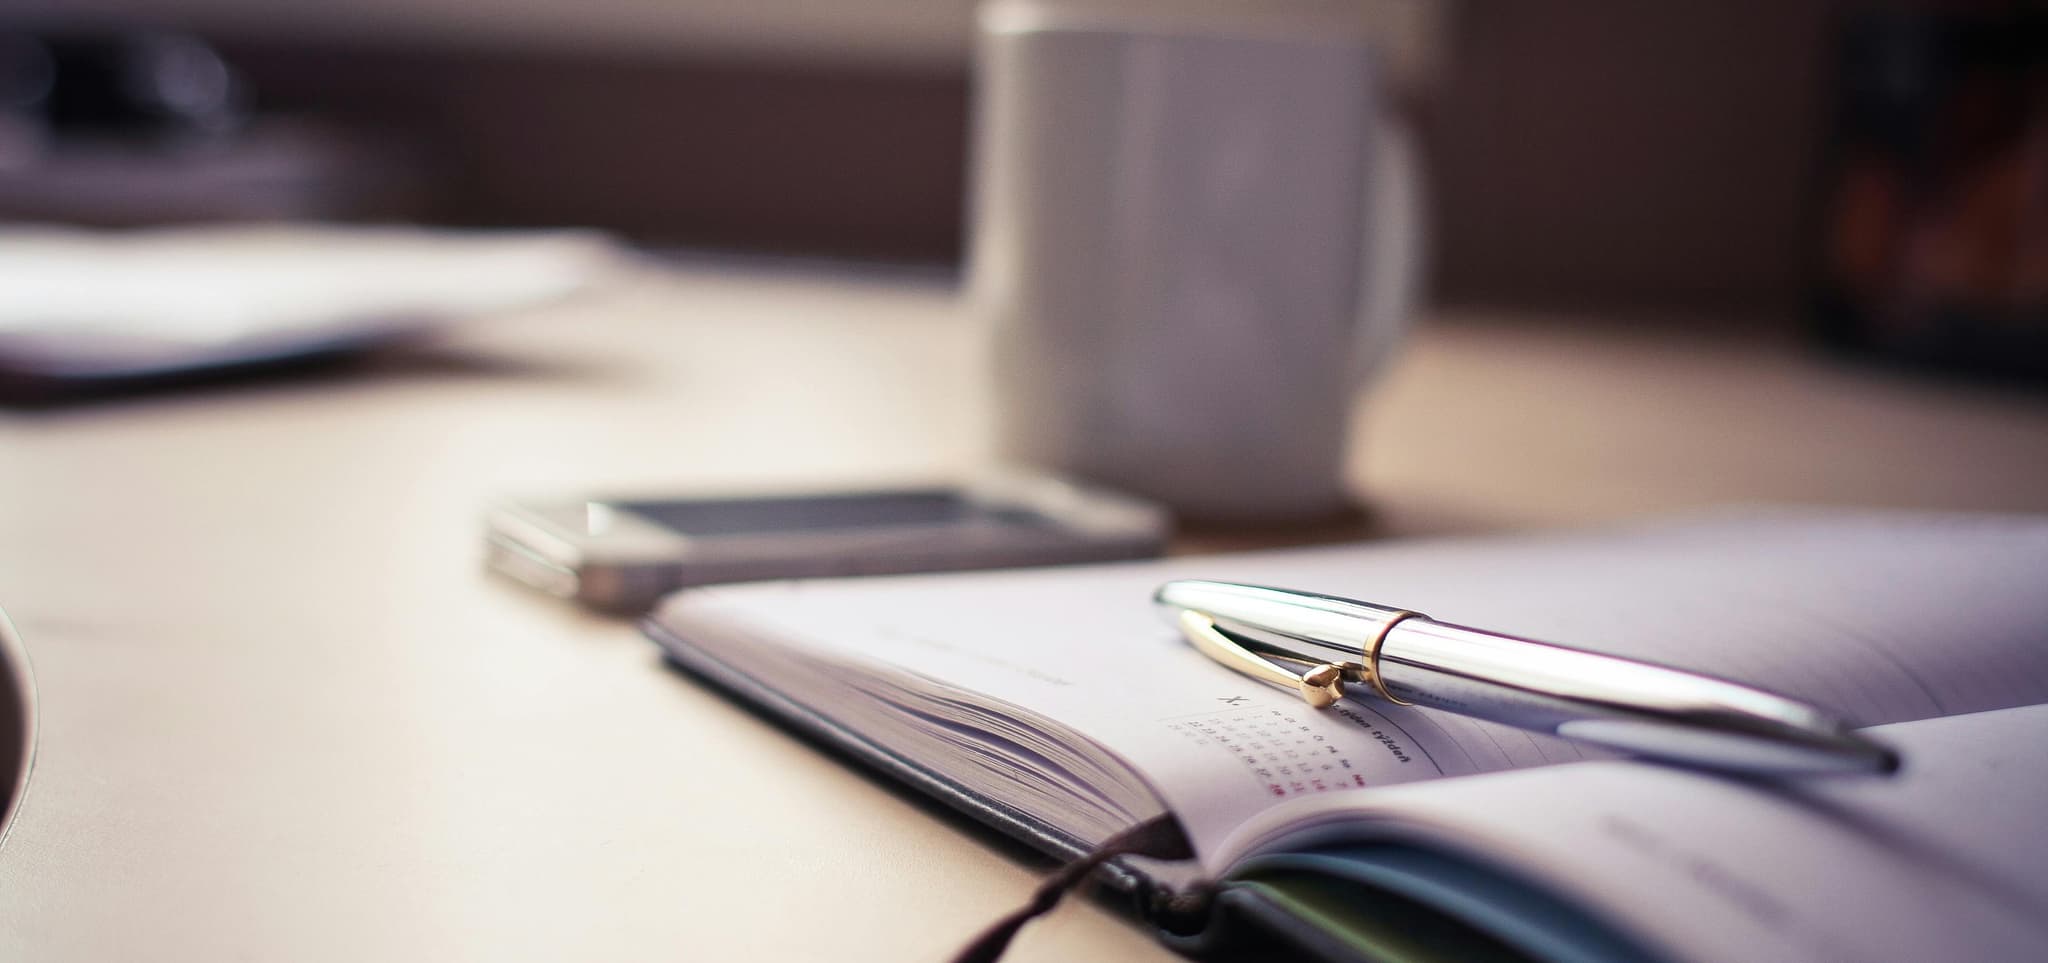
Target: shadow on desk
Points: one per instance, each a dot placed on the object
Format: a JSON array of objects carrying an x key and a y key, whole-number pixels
[
  {"x": 1371, "y": 520},
  {"x": 39, "y": 393}
]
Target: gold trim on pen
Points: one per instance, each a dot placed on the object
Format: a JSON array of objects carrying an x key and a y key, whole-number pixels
[
  {"x": 1372, "y": 656},
  {"x": 1321, "y": 686}
]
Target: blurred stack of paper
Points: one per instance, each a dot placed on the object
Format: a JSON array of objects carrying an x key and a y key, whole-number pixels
[{"x": 81, "y": 306}]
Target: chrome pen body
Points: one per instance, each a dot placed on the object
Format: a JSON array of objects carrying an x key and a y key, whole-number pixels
[{"x": 1623, "y": 704}]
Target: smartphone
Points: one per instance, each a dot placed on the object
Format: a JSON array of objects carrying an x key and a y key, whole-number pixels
[{"x": 621, "y": 554}]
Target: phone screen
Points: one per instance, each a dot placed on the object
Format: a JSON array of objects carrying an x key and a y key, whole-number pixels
[{"x": 812, "y": 513}]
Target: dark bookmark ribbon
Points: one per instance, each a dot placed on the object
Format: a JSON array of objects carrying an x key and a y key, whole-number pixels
[{"x": 1159, "y": 838}]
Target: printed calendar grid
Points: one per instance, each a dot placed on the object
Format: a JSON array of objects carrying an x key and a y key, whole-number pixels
[{"x": 1275, "y": 747}]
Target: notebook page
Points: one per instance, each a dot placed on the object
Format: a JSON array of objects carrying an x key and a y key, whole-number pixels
[
  {"x": 1212, "y": 745},
  {"x": 1881, "y": 617},
  {"x": 1945, "y": 860}
]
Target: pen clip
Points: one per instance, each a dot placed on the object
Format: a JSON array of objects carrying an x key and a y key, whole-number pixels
[{"x": 1321, "y": 686}]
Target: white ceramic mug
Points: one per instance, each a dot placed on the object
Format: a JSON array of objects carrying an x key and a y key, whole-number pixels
[{"x": 1192, "y": 240}]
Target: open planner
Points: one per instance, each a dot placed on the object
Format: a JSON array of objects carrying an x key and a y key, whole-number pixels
[{"x": 1057, "y": 706}]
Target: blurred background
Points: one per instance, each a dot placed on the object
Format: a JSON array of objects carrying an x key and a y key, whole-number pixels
[
  {"x": 1872, "y": 172},
  {"x": 1647, "y": 154}
]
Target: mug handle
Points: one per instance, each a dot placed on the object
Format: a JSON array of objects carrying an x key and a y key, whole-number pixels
[{"x": 1396, "y": 249}]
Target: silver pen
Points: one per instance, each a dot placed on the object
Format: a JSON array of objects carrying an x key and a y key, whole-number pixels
[{"x": 1409, "y": 659}]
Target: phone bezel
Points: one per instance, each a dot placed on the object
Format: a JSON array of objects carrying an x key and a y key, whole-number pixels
[{"x": 634, "y": 560}]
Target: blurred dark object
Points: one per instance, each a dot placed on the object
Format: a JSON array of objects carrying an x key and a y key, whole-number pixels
[
  {"x": 123, "y": 129},
  {"x": 1934, "y": 242},
  {"x": 272, "y": 170},
  {"x": 26, "y": 75},
  {"x": 131, "y": 86}
]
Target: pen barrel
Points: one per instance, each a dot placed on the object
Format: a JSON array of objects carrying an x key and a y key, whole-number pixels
[
  {"x": 1635, "y": 707},
  {"x": 1279, "y": 622},
  {"x": 1623, "y": 704}
]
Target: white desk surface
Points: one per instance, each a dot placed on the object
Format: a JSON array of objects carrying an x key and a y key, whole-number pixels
[{"x": 286, "y": 716}]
